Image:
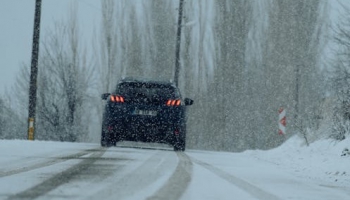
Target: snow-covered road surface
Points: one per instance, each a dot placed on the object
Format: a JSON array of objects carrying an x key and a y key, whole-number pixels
[{"x": 54, "y": 170}]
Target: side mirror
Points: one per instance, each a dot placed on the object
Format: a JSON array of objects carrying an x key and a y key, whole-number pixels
[
  {"x": 188, "y": 101},
  {"x": 105, "y": 96}
]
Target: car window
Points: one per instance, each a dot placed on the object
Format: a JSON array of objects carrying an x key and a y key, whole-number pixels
[{"x": 147, "y": 90}]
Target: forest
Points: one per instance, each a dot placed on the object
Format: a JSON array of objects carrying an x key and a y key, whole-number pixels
[{"x": 240, "y": 60}]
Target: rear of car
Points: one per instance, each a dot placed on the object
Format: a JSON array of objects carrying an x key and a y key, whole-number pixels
[{"x": 146, "y": 111}]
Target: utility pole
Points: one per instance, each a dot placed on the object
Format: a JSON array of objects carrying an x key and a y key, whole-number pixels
[
  {"x": 178, "y": 42},
  {"x": 34, "y": 71},
  {"x": 296, "y": 100}
]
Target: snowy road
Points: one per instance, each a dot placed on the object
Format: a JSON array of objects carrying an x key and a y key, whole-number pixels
[{"x": 51, "y": 170}]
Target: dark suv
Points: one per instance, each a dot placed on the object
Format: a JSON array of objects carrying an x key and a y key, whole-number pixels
[{"x": 146, "y": 111}]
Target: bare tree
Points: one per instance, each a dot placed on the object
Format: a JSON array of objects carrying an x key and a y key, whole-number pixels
[{"x": 63, "y": 84}]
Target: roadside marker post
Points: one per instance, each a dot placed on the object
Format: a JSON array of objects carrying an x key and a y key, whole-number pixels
[
  {"x": 31, "y": 129},
  {"x": 282, "y": 121}
]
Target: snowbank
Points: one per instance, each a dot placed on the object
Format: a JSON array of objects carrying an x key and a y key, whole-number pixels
[{"x": 322, "y": 161}]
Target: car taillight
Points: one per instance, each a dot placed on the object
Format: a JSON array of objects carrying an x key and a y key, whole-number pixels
[
  {"x": 172, "y": 102},
  {"x": 116, "y": 98}
]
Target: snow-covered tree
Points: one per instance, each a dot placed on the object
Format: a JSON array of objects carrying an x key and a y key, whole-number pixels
[
  {"x": 12, "y": 125},
  {"x": 2, "y": 120},
  {"x": 341, "y": 77},
  {"x": 163, "y": 30},
  {"x": 290, "y": 63},
  {"x": 106, "y": 53},
  {"x": 241, "y": 60}
]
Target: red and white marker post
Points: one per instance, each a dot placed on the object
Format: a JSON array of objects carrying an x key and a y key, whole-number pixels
[{"x": 282, "y": 121}]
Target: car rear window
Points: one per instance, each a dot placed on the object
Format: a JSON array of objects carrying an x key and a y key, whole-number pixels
[{"x": 147, "y": 89}]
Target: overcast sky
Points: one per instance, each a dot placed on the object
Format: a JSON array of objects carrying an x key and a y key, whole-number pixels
[{"x": 16, "y": 30}]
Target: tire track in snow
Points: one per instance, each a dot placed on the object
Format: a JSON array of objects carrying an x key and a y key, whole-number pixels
[
  {"x": 60, "y": 178},
  {"x": 45, "y": 164},
  {"x": 137, "y": 180},
  {"x": 240, "y": 183},
  {"x": 178, "y": 182}
]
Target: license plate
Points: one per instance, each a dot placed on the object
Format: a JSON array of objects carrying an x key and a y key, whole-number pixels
[{"x": 145, "y": 112}]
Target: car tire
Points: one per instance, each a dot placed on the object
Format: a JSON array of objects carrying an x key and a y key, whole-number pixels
[
  {"x": 114, "y": 141},
  {"x": 106, "y": 140},
  {"x": 180, "y": 145},
  {"x": 103, "y": 138}
]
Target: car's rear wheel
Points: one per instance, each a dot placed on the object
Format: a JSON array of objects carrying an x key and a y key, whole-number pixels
[
  {"x": 106, "y": 139},
  {"x": 180, "y": 145},
  {"x": 180, "y": 138}
]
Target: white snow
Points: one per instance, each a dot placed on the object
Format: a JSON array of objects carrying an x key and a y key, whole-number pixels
[
  {"x": 291, "y": 171},
  {"x": 321, "y": 161}
]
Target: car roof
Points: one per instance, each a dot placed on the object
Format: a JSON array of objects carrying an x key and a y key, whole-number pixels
[{"x": 147, "y": 81}]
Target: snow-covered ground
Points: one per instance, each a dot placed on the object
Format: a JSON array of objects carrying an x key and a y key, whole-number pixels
[
  {"x": 56, "y": 170},
  {"x": 291, "y": 171},
  {"x": 322, "y": 161}
]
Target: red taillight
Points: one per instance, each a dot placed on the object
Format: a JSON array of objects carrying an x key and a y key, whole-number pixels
[
  {"x": 172, "y": 102},
  {"x": 116, "y": 98}
]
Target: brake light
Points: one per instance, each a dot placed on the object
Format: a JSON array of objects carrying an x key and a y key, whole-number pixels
[
  {"x": 116, "y": 98},
  {"x": 172, "y": 102}
]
